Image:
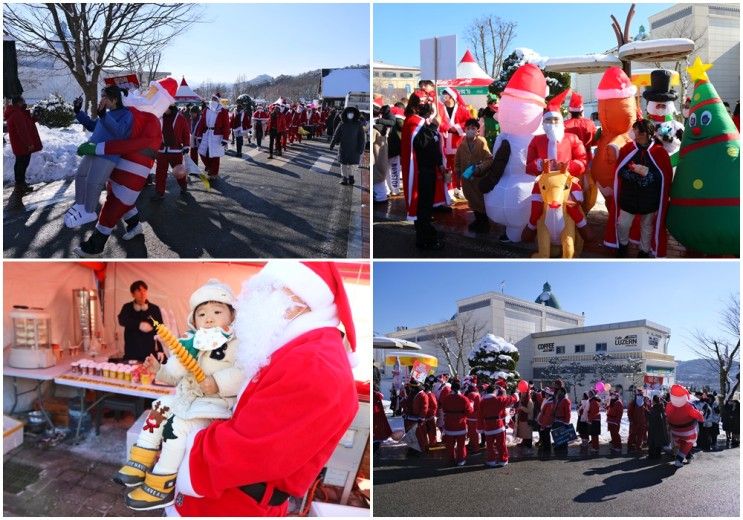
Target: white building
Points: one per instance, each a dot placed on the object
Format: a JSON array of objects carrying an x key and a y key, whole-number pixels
[
  {"x": 394, "y": 82},
  {"x": 541, "y": 331}
]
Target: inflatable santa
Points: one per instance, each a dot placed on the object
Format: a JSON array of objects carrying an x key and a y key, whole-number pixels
[
  {"x": 682, "y": 420},
  {"x": 520, "y": 116}
]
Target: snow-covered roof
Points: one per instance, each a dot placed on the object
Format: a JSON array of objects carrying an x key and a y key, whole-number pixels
[
  {"x": 469, "y": 68},
  {"x": 582, "y": 64},
  {"x": 390, "y": 66},
  {"x": 526, "y": 55},
  {"x": 339, "y": 82},
  {"x": 186, "y": 93},
  {"x": 660, "y": 49}
]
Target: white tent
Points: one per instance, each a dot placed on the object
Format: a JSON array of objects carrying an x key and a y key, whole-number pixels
[
  {"x": 49, "y": 285},
  {"x": 185, "y": 94},
  {"x": 336, "y": 83},
  {"x": 469, "y": 68}
]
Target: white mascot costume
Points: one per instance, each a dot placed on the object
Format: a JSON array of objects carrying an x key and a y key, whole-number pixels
[{"x": 520, "y": 116}]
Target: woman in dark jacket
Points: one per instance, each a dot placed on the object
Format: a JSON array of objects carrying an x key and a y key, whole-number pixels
[
  {"x": 657, "y": 430},
  {"x": 350, "y": 135}
]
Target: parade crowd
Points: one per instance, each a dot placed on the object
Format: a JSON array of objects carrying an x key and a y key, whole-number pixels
[
  {"x": 134, "y": 132},
  {"x": 469, "y": 417},
  {"x": 437, "y": 150}
]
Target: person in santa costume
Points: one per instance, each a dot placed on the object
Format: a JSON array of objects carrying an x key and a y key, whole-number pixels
[
  {"x": 545, "y": 419},
  {"x": 300, "y": 121},
  {"x": 211, "y": 342},
  {"x": 614, "y": 412},
  {"x": 260, "y": 118},
  {"x": 213, "y": 132},
  {"x": 381, "y": 426},
  {"x": 422, "y": 163},
  {"x": 682, "y": 420},
  {"x": 585, "y": 130},
  {"x": 661, "y": 109},
  {"x": 137, "y": 156},
  {"x": 473, "y": 420},
  {"x": 193, "y": 123},
  {"x": 507, "y": 201},
  {"x": 281, "y": 434},
  {"x": 287, "y": 113},
  {"x": 433, "y": 408},
  {"x": 276, "y": 130},
  {"x": 240, "y": 123},
  {"x": 456, "y": 408},
  {"x": 416, "y": 409},
  {"x": 492, "y": 414},
  {"x": 441, "y": 389},
  {"x": 441, "y": 198},
  {"x": 555, "y": 144},
  {"x": 176, "y": 140},
  {"x": 642, "y": 187},
  {"x": 454, "y": 115},
  {"x": 637, "y": 411}
]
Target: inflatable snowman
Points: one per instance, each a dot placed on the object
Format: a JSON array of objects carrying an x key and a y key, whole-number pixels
[
  {"x": 520, "y": 116},
  {"x": 661, "y": 109}
]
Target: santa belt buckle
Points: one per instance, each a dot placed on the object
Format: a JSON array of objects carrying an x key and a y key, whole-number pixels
[{"x": 257, "y": 492}]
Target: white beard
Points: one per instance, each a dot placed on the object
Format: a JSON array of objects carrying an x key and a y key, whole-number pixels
[
  {"x": 555, "y": 134},
  {"x": 259, "y": 324},
  {"x": 668, "y": 110}
]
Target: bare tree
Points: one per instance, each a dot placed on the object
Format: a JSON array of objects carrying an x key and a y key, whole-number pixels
[
  {"x": 457, "y": 346},
  {"x": 721, "y": 350},
  {"x": 603, "y": 367},
  {"x": 489, "y": 37},
  {"x": 575, "y": 375},
  {"x": 88, "y": 37},
  {"x": 555, "y": 368},
  {"x": 633, "y": 368},
  {"x": 145, "y": 63}
]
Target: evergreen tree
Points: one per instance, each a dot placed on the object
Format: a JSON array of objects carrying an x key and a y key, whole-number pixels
[
  {"x": 494, "y": 358},
  {"x": 556, "y": 81}
]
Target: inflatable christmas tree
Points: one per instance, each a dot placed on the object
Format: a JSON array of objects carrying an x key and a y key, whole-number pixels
[
  {"x": 494, "y": 358},
  {"x": 705, "y": 195}
]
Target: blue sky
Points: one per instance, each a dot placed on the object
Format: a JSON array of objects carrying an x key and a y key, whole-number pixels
[
  {"x": 683, "y": 296},
  {"x": 274, "y": 39},
  {"x": 557, "y": 29}
]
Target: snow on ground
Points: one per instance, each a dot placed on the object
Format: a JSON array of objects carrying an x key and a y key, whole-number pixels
[{"x": 58, "y": 160}]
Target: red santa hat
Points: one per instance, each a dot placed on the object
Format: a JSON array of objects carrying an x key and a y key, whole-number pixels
[
  {"x": 398, "y": 112},
  {"x": 553, "y": 107},
  {"x": 615, "y": 84},
  {"x": 378, "y": 101},
  {"x": 501, "y": 382},
  {"x": 168, "y": 85},
  {"x": 319, "y": 285},
  {"x": 454, "y": 93},
  {"x": 421, "y": 94},
  {"x": 679, "y": 396},
  {"x": 527, "y": 83},
  {"x": 211, "y": 291},
  {"x": 576, "y": 103}
]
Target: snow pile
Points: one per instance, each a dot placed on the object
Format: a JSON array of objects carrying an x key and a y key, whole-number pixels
[
  {"x": 58, "y": 159},
  {"x": 526, "y": 55},
  {"x": 494, "y": 345}
]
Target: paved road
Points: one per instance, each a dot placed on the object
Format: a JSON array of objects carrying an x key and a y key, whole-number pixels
[
  {"x": 291, "y": 207},
  {"x": 602, "y": 486}
]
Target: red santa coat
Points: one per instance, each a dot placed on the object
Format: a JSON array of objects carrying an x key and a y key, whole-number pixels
[
  {"x": 182, "y": 134},
  {"x": 315, "y": 118},
  {"x": 614, "y": 413},
  {"x": 475, "y": 397},
  {"x": 682, "y": 421},
  {"x": 594, "y": 410},
  {"x": 22, "y": 131},
  {"x": 382, "y": 428},
  {"x": 300, "y": 118},
  {"x": 260, "y": 117},
  {"x": 433, "y": 405},
  {"x": 213, "y": 132},
  {"x": 555, "y": 226},
  {"x": 129, "y": 176},
  {"x": 409, "y": 168},
  {"x": 456, "y": 408},
  {"x": 418, "y": 406},
  {"x": 455, "y": 122},
  {"x": 277, "y": 123},
  {"x": 659, "y": 157},
  {"x": 585, "y": 130},
  {"x": 546, "y": 414},
  {"x": 569, "y": 150},
  {"x": 492, "y": 412},
  {"x": 562, "y": 410},
  {"x": 281, "y": 433},
  {"x": 636, "y": 415},
  {"x": 240, "y": 122}
]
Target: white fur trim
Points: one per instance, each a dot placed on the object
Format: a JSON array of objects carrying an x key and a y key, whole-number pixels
[
  {"x": 616, "y": 93},
  {"x": 552, "y": 114},
  {"x": 353, "y": 359},
  {"x": 525, "y": 95},
  {"x": 302, "y": 281},
  {"x": 183, "y": 482},
  {"x": 171, "y": 511}
]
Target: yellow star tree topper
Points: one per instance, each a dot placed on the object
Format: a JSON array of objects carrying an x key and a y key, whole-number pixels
[{"x": 698, "y": 71}]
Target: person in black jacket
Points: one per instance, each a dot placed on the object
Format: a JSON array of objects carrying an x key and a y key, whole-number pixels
[
  {"x": 657, "y": 429},
  {"x": 429, "y": 157},
  {"x": 139, "y": 333}
]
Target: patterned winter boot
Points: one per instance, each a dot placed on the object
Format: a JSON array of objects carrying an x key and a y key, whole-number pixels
[
  {"x": 141, "y": 460},
  {"x": 158, "y": 491}
]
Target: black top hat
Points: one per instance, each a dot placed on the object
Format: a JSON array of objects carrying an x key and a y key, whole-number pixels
[{"x": 660, "y": 87}]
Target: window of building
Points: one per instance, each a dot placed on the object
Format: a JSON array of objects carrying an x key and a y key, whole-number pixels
[
  {"x": 473, "y": 306},
  {"x": 580, "y": 349},
  {"x": 406, "y": 75},
  {"x": 376, "y": 74},
  {"x": 408, "y": 88},
  {"x": 600, "y": 347},
  {"x": 678, "y": 15},
  {"x": 389, "y": 75},
  {"x": 560, "y": 349}
]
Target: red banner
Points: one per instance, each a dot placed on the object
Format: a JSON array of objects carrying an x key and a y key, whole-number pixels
[
  {"x": 653, "y": 380},
  {"x": 420, "y": 371},
  {"x": 129, "y": 81}
]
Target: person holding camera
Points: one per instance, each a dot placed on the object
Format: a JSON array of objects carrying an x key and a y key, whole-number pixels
[{"x": 114, "y": 122}]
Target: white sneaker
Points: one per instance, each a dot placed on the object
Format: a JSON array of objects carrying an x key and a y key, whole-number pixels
[
  {"x": 500, "y": 464},
  {"x": 492, "y": 464},
  {"x": 77, "y": 216},
  {"x": 461, "y": 463},
  {"x": 678, "y": 463},
  {"x": 136, "y": 230}
]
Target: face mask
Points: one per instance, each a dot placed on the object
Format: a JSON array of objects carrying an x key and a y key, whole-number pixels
[
  {"x": 213, "y": 105},
  {"x": 471, "y": 133},
  {"x": 210, "y": 339},
  {"x": 350, "y": 116},
  {"x": 639, "y": 401}
]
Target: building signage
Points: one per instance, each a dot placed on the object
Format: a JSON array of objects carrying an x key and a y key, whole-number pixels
[
  {"x": 546, "y": 347},
  {"x": 653, "y": 340},
  {"x": 630, "y": 340},
  {"x": 653, "y": 381}
]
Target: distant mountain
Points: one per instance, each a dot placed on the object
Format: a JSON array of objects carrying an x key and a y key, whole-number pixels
[
  {"x": 259, "y": 80},
  {"x": 698, "y": 373}
]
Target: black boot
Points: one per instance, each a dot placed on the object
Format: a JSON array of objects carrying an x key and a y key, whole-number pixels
[
  {"x": 15, "y": 201},
  {"x": 481, "y": 223},
  {"x": 133, "y": 227},
  {"x": 93, "y": 247},
  {"x": 622, "y": 251}
]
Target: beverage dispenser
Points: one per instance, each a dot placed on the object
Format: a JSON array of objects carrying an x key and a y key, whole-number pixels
[
  {"x": 32, "y": 346},
  {"x": 86, "y": 314}
]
